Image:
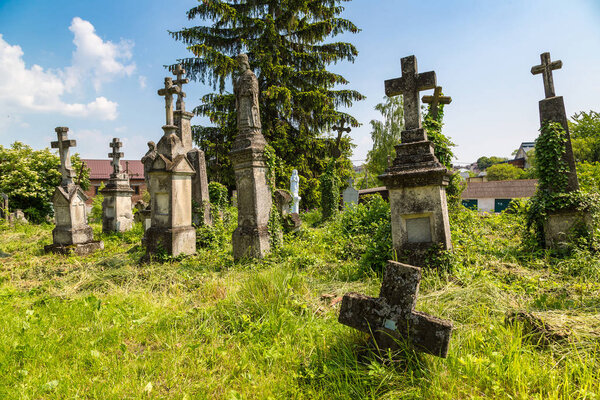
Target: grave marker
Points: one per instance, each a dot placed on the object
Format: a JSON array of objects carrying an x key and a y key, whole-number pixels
[
  {"x": 435, "y": 101},
  {"x": 117, "y": 215}
]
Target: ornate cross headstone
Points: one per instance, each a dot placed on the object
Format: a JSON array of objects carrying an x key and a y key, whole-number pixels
[
  {"x": 337, "y": 152},
  {"x": 392, "y": 318},
  {"x": 179, "y": 72},
  {"x": 116, "y": 155},
  {"x": 546, "y": 68},
  {"x": 63, "y": 144},
  {"x": 168, "y": 91},
  {"x": 435, "y": 100},
  {"x": 409, "y": 86}
]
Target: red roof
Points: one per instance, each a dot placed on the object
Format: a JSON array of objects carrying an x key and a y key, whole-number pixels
[
  {"x": 101, "y": 169},
  {"x": 500, "y": 189}
]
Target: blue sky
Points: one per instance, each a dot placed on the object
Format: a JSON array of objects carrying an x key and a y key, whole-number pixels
[{"x": 95, "y": 66}]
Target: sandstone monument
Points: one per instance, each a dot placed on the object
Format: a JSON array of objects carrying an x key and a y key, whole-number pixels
[
  {"x": 117, "y": 215},
  {"x": 251, "y": 237},
  {"x": 416, "y": 179},
  {"x": 72, "y": 232},
  {"x": 170, "y": 176},
  {"x": 392, "y": 318}
]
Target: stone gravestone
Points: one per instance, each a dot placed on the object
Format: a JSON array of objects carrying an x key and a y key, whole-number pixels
[
  {"x": 72, "y": 232},
  {"x": 200, "y": 199},
  {"x": 251, "y": 237},
  {"x": 117, "y": 215},
  {"x": 350, "y": 194},
  {"x": 170, "y": 187},
  {"x": 392, "y": 318},
  {"x": 416, "y": 180},
  {"x": 295, "y": 190},
  {"x": 436, "y": 100},
  {"x": 3, "y": 206},
  {"x": 560, "y": 223}
]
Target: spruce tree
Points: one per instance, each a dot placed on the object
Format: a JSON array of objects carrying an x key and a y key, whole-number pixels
[{"x": 286, "y": 43}]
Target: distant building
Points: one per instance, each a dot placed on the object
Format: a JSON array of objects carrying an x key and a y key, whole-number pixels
[
  {"x": 494, "y": 196},
  {"x": 100, "y": 171},
  {"x": 521, "y": 159}
]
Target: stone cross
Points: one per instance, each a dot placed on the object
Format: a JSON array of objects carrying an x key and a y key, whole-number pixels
[
  {"x": 116, "y": 155},
  {"x": 179, "y": 72},
  {"x": 392, "y": 318},
  {"x": 340, "y": 130},
  {"x": 409, "y": 86},
  {"x": 63, "y": 144},
  {"x": 436, "y": 100},
  {"x": 168, "y": 91},
  {"x": 546, "y": 68}
]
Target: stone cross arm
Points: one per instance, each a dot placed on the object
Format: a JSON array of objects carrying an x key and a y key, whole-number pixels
[
  {"x": 116, "y": 155},
  {"x": 546, "y": 68},
  {"x": 63, "y": 144},
  {"x": 168, "y": 91},
  {"x": 436, "y": 100}
]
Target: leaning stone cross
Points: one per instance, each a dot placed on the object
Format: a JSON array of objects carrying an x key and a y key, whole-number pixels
[
  {"x": 409, "y": 86},
  {"x": 546, "y": 68},
  {"x": 392, "y": 318},
  {"x": 168, "y": 91},
  {"x": 436, "y": 100},
  {"x": 179, "y": 72},
  {"x": 63, "y": 144},
  {"x": 340, "y": 130},
  {"x": 116, "y": 155}
]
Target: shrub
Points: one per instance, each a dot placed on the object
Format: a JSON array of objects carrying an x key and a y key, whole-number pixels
[{"x": 218, "y": 195}]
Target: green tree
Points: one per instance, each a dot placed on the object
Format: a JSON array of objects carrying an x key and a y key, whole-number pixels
[
  {"x": 299, "y": 98},
  {"x": 385, "y": 134},
  {"x": 484, "y": 163},
  {"x": 504, "y": 172},
  {"x": 585, "y": 136}
]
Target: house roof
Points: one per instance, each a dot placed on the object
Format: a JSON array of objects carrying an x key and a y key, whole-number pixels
[
  {"x": 500, "y": 189},
  {"x": 101, "y": 169}
]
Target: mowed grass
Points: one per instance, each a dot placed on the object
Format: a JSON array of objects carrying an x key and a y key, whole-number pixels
[{"x": 204, "y": 327}]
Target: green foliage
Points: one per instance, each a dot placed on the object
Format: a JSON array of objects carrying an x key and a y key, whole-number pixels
[
  {"x": 589, "y": 177},
  {"x": 504, "y": 172},
  {"x": 289, "y": 48},
  {"x": 550, "y": 150},
  {"x": 385, "y": 134},
  {"x": 96, "y": 213},
  {"x": 218, "y": 195},
  {"x": 442, "y": 145},
  {"x": 485, "y": 162},
  {"x": 330, "y": 192},
  {"x": 585, "y": 136}
]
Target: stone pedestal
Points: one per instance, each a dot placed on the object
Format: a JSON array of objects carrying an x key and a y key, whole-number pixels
[
  {"x": 251, "y": 237},
  {"x": 350, "y": 194},
  {"x": 117, "y": 215},
  {"x": 72, "y": 233},
  {"x": 200, "y": 198},
  {"x": 561, "y": 227},
  {"x": 416, "y": 184}
]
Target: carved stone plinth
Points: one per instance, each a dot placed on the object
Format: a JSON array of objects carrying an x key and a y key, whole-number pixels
[{"x": 117, "y": 215}]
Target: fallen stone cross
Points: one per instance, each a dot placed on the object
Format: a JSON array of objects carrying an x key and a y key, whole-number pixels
[{"x": 391, "y": 318}]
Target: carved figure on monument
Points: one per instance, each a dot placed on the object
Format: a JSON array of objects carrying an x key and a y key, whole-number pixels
[
  {"x": 72, "y": 232},
  {"x": 246, "y": 97}
]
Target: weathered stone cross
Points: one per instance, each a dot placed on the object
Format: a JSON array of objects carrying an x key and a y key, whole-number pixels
[
  {"x": 436, "y": 100},
  {"x": 179, "y": 72},
  {"x": 546, "y": 68},
  {"x": 340, "y": 130},
  {"x": 63, "y": 144},
  {"x": 392, "y": 318},
  {"x": 116, "y": 155},
  {"x": 168, "y": 91},
  {"x": 409, "y": 86}
]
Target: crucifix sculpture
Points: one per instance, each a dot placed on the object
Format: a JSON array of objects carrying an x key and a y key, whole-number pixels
[
  {"x": 63, "y": 144},
  {"x": 116, "y": 156},
  {"x": 546, "y": 68},
  {"x": 392, "y": 318},
  {"x": 168, "y": 91},
  {"x": 435, "y": 100},
  {"x": 409, "y": 86},
  {"x": 337, "y": 152},
  {"x": 179, "y": 72}
]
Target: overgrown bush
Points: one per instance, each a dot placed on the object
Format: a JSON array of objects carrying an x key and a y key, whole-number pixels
[
  {"x": 330, "y": 192},
  {"x": 218, "y": 195}
]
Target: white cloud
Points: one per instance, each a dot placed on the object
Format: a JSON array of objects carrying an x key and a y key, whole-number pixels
[
  {"x": 96, "y": 59},
  {"x": 142, "y": 80}
]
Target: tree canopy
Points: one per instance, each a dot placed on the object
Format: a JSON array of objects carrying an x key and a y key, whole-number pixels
[
  {"x": 385, "y": 134},
  {"x": 585, "y": 136},
  {"x": 299, "y": 98}
]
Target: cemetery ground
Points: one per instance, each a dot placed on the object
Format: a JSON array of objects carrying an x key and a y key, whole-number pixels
[{"x": 104, "y": 326}]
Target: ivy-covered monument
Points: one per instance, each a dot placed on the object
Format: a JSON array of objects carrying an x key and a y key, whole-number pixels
[
  {"x": 559, "y": 212},
  {"x": 251, "y": 238},
  {"x": 416, "y": 180}
]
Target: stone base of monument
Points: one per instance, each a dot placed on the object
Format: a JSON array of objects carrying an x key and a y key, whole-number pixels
[
  {"x": 250, "y": 242},
  {"x": 65, "y": 236},
  {"x": 117, "y": 215},
  {"x": 561, "y": 228},
  {"x": 175, "y": 241},
  {"x": 79, "y": 249}
]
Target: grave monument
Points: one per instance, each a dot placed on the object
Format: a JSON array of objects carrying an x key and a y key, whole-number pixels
[
  {"x": 416, "y": 180},
  {"x": 350, "y": 194},
  {"x": 392, "y": 318},
  {"x": 117, "y": 215},
  {"x": 251, "y": 237},
  {"x": 435, "y": 101},
  {"x": 295, "y": 191},
  {"x": 72, "y": 232}
]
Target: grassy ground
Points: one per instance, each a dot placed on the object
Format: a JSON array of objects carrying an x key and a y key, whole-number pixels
[{"x": 105, "y": 327}]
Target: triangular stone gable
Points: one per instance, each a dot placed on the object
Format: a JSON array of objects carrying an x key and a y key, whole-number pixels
[{"x": 182, "y": 164}]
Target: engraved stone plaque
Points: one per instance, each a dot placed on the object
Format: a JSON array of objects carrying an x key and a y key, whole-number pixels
[{"x": 418, "y": 230}]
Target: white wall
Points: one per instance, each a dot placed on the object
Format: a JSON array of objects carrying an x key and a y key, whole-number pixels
[{"x": 486, "y": 205}]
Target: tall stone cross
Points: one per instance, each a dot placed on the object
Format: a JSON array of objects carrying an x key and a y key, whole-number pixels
[
  {"x": 340, "y": 130},
  {"x": 392, "y": 318},
  {"x": 179, "y": 72},
  {"x": 435, "y": 100},
  {"x": 116, "y": 155},
  {"x": 168, "y": 91},
  {"x": 409, "y": 86},
  {"x": 546, "y": 68},
  {"x": 63, "y": 144}
]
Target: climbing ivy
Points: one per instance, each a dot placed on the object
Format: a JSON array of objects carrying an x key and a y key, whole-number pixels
[
  {"x": 330, "y": 191},
  {"x": 275, "y": 224}
]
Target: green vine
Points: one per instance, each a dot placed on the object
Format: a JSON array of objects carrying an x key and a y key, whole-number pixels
[
  {"x": 550, "y": 148},
  {"x": 275, "y": 224},
  {"x": 330, "y": 191}
]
